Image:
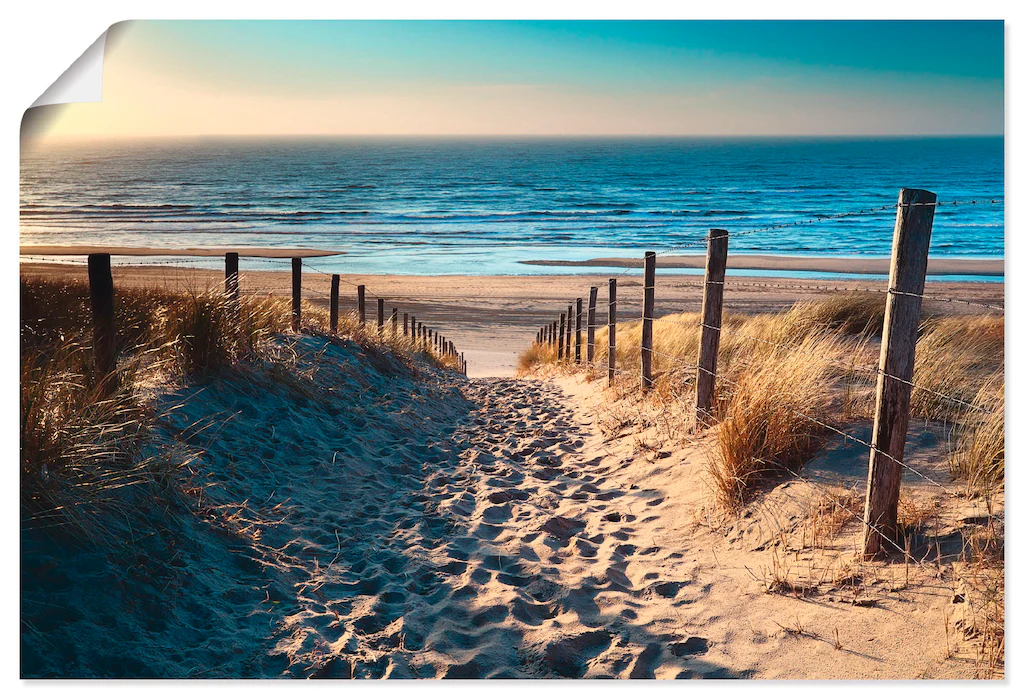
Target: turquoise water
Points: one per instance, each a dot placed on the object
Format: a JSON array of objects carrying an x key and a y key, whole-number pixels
[{"x": 436, "y": 206}]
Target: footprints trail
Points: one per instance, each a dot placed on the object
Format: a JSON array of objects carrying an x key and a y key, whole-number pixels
[{"x": 508, "y": 553}]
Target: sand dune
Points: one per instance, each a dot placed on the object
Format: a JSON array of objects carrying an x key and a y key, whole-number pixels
[{"x": 353, "y": 517}]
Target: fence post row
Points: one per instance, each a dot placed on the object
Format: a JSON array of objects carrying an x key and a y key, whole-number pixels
[
  {"x": 579, "y": 327},
  {"x": 361, "y": 303},
  {"x": 647, "y": 336},
  {"x": 101, "y": 297},
  {"x": 611, "y": 331},
  {"x": 591, "y": 319},
  {"x": 296, "y": 293},
  {"x": 335, "y": 283},
  {"x": 908, "y": 265},
  {"x": 711, "y": 324}
]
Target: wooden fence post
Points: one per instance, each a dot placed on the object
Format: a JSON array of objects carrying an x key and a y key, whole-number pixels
[
  {"x": 394, "y": 322},
  {"x": 104, "y": 338},
  {"x": 579, "y": 328},
  {"x": 335, "y": 285},
  {"x": 611, "y": 331},
  {"x": 405, "y": 324},
  {"x": 361, "y": 303},
  {"x": 380, "y": 317},
  {"x": 296, "y": 293},
  {"x": 907, "y": 268},
  {"x": 647, "y": 336},
  {"x": 568, "y": 333},
  {"x": 591, "y": 319},
  {"x": 561, "y": 334},
  {"x": 231, "y": 278},
  {"x": 711, "y": 324}
]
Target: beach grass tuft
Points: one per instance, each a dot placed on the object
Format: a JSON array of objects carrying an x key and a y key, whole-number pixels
[{"x": 78, "y": 444}]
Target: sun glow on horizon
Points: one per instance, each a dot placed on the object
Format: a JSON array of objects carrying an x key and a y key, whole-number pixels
[{"x": 537, "y": 79}]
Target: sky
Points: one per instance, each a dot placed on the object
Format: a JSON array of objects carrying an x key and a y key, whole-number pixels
[{"x": 585, "y": 78}]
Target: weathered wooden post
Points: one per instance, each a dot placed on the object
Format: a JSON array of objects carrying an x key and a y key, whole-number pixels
[
  {"x": 711, "y": 324},
  {"x": 394, "y": 322},
  {"x": 568, "y": 333},
  {"x": 231, "y": 278},
  {"x": 591, "y": 319},
  {"x": 361, "y": 302},
  {"x": 611, "y": 331},
  {"x": 296, "y": 293},
  {"x": 561, "y": 335},
  {"x": 907, "y": 268},
  {"x": 335, "y": 285},
  {"x": 104, "y": 338},
  {"x": 380, "y": 318},
  {"x": 647, "y": 318},
  {"x": 405, "y": 324},
  {"x": 579, "y": 329}
]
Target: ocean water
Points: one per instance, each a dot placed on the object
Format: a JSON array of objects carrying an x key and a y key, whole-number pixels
[{"x": 477, "y": 206}]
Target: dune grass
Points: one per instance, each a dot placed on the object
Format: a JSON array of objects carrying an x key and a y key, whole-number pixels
[
  {"x": 79, "y": 445},
  {"x": 781, "y": 375}
]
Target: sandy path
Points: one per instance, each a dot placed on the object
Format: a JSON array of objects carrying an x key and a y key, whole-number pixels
[{"x": 509, "y": 560}]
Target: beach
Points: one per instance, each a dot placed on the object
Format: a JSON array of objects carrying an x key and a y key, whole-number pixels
[{"x": 493, "y": 318}]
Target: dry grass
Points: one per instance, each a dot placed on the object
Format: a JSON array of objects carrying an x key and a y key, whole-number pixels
[
  {"x": 978, "y": 457},
  {"x": 979, "y": 602},
  {"x": 817, "y": 359},
  {"x": 958, "y": 357},
  {"x": 771, "y": 422},
  {"x": 535, "y": 356},
  {"x": 79, "y": 446}
]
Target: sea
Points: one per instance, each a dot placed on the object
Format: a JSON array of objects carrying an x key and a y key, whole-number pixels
[{"x": 487, "y": 206}]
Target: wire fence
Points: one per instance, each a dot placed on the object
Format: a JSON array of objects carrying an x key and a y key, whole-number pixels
[{"x": 553, "y": 335}]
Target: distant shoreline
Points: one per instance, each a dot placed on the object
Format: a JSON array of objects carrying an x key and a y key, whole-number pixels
[
  {"x": 782, "y": 263},
  {"x": 77, "y": 250}
]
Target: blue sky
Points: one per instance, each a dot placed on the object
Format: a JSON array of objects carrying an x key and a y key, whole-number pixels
[{"x": 571, "y": 77}]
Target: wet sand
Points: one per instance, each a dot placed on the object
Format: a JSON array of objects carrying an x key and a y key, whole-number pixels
[{"x": 782, "y": 263}]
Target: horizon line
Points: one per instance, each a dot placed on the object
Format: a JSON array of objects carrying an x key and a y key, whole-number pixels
[{"x": 168, "y": 137}]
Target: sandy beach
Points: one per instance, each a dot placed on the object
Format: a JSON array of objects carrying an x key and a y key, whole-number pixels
[{"x": 492, "y": 319}]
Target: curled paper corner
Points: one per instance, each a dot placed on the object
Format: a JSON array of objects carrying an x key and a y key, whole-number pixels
[{"x": 82, "y": 81}]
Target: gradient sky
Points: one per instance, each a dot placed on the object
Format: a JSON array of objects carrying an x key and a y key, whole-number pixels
[{"x": 555, "y": 78}]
